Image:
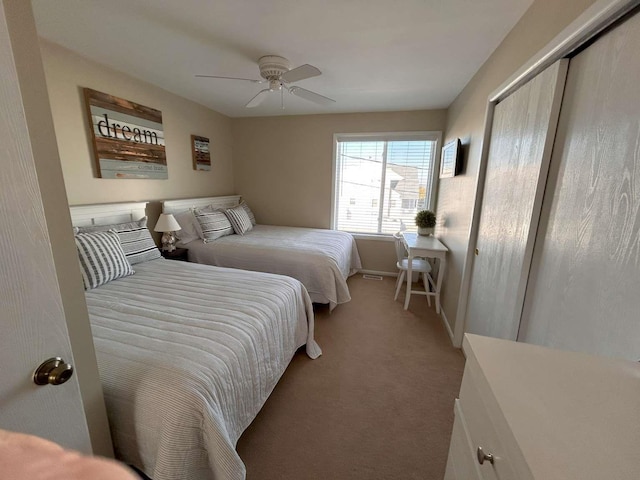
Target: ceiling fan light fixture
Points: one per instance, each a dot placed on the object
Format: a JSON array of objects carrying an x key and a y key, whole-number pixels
[
  {"x": 275, "y": 85},
  {"x": 277, "y": 71}
]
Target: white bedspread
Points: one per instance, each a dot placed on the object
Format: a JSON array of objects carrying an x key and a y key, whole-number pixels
[
  {"x": 321, "y": 259},
  {"x": 188, "y": 354}
]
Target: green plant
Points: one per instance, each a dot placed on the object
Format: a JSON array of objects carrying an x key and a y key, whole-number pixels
[{"x": 426, "y": 219}]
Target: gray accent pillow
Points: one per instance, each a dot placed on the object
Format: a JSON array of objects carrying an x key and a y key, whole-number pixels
[
  {"x": 239, "y": 219},
  {"x": 214, "y": 225},
  {"x": 137, "y": 242},
  {"x": 101, "y": 258},
  {"x": 249, "y": 212}
]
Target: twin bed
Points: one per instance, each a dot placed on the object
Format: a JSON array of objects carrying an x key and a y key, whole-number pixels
[{"x": 188, "y": 354}]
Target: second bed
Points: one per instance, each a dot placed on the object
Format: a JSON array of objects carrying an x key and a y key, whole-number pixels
[{"x": 321, "y": 259}]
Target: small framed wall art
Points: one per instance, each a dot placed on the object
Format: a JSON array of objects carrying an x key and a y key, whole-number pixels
[
  {"x": 451, "y": 159},
  {"x": 127, "y": 138},
  {"x": 201, "y": 153}
]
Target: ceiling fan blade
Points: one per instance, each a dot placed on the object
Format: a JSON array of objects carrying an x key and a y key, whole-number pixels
[
  {"x": 258, "y": 99},
  {"x": 231, "y": 78},
  {"x": 311, "y": 96},
  {"x": 300, "y": 73}
]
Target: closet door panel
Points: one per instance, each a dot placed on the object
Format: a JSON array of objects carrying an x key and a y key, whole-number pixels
[
  {"x": 584, "y": 291},
  {"x": 517, "y": 165}
]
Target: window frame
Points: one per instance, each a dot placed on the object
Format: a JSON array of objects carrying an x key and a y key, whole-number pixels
[{"x": 432, "y": 135}]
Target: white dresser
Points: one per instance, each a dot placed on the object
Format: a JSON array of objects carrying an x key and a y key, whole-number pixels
[{"x": 544, "y": 414}]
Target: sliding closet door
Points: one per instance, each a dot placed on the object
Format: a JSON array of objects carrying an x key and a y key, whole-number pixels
[
  {"x": 585, "y": 286},
  {"x": 517, "y": 165}
]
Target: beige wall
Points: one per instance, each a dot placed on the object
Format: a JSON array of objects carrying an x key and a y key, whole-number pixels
[
  {"x": 67, "y": 73},
  {"x": 543, "y": 21},
  {"x": 283, "y": 167}
]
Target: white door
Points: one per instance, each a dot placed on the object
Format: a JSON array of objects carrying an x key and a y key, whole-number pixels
[
  {"x": 585, "y": 289},
  {"x": 517, "y": 165},
  {"x": 32, "y": 321}
]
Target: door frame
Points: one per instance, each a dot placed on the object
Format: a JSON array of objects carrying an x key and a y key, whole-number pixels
[{"x": 592, "y": 23}]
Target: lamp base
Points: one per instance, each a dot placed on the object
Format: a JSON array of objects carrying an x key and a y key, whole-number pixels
[{"x": 168, "y": 242}]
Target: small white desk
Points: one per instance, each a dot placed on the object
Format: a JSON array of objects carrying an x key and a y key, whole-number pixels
[{"x": 424, "y": 246}]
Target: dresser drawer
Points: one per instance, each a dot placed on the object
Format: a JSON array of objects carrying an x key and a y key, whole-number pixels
[
  {"x": 462, "y": 463},
  {"x": 480, "y": 415}
]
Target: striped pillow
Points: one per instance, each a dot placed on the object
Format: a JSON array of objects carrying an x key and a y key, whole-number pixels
[
  {"x": 136, "y": 240},
  {"x": 101, "y": 258},
  {"x": 213, "y": 224},
  {"x": 239, "y": 219},
  {"x": 249, "y": 212}
]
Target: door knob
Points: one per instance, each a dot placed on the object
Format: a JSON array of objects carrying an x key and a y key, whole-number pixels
[{"x": 53, "y": 372}]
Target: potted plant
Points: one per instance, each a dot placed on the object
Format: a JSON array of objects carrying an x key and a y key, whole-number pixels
[{"x": 426, "y": 222}]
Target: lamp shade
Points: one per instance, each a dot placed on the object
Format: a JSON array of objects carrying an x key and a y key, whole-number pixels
[{"x": 166, "y": 223}]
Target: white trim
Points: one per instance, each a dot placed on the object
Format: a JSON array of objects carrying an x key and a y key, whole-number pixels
[
  {"x": 382, "y": 237},
  {"x": 590, "y": 23},
  {"x": 378, "y": 272},
  {"x": 183, "y": 204},
  {"x": 106, "y": 213},
  {"x": 465, "y": 285},
  {"x": 430, "y": 135},
  {"x": 447, "y": 327},
  {"x": 333, "y": 180}
]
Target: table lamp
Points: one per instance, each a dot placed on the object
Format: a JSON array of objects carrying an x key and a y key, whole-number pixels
[{"x": 167, "y": 224}]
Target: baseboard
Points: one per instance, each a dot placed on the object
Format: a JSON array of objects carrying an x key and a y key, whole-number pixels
[
  {"x": 446, "y": 325},
  {"x": 377, "y": 272}
]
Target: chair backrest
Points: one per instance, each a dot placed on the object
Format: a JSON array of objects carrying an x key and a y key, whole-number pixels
[{"x": 401, "y": 252}]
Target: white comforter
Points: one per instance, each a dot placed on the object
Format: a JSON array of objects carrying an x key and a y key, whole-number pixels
[
  {"x": 321, "y": 259},
  {"x": 188, "y": 354}
]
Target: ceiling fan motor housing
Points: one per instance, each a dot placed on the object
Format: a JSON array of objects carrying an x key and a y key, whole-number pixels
[{"x": 273, "y": 66}]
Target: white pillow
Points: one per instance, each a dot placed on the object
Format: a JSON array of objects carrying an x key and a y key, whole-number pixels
[
  {"x": 101, "y": 258},
  {"x": 190, "y": 228}
]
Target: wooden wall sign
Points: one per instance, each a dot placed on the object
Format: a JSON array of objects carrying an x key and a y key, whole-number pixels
[
  {"x": 128, "y": 139},
  {"x": 201, "y": 153}
]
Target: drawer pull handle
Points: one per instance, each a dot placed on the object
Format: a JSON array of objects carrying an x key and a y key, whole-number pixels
[{"x": 484, "y": 456}]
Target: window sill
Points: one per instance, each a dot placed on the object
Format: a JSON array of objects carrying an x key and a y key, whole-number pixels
[{"x": 382, "y": 237}]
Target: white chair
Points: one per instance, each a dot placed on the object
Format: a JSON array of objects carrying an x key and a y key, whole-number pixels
[{"x": 419, "y": 265}]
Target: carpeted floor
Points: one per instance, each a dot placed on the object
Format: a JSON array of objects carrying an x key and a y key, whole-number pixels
[{"x": 378, "y": 404}]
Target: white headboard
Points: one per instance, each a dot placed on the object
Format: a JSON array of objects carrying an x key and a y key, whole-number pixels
[
  {"x": 177, "y": 206},
  {"x": 106, "y": 213}
]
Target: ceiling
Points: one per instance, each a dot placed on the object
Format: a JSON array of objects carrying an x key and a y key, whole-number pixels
[{"x": 375, "y": 55}]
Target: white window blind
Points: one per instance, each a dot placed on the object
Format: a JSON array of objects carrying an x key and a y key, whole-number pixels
[{"x": 382, "y": 181}]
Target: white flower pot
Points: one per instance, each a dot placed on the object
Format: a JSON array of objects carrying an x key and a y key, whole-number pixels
[{"x": 425, "y": 231}]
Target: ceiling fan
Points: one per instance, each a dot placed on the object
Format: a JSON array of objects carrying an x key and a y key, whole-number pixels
[{"x": 276, "y": 70}]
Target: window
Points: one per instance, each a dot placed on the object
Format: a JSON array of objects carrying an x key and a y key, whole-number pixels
[
  {"x": 409, "y": 203},
  {"x": 390, "y": 175}
]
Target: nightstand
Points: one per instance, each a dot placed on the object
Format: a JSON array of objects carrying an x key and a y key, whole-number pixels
[{"x": 178, "y": 254}]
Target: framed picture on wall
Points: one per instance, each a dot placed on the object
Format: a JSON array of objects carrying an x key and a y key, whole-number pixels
[
  {"x": 201, "y": 153},
  {"x": 127, "y": 138},
  {"x": 451, "y": 160}
]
